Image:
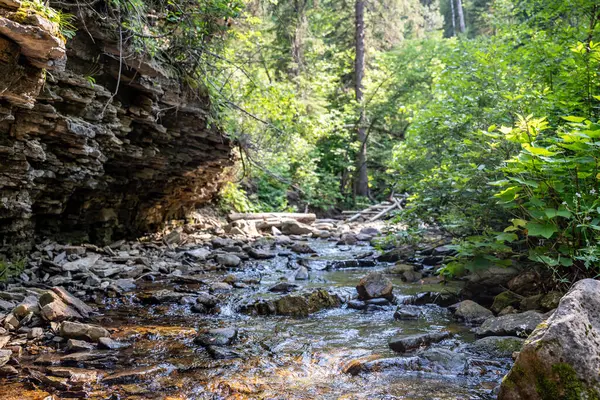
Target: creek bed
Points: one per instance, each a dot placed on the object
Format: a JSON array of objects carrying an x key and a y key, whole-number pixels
[{"x": 283, "y": 357}]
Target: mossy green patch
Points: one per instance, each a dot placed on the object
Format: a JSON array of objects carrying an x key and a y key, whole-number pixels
[
  {"x": 563, "y": 384},
  {"x": 534, "y": 378},
  {"x": 504, "y": 300},
  {"x": 509, "y": 345}
]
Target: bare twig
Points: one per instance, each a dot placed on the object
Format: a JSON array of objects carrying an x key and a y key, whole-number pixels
[{"x": 109, "y": 101}]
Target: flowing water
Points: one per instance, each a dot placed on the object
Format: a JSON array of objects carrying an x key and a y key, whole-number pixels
[{"x": 282, "y": 357}]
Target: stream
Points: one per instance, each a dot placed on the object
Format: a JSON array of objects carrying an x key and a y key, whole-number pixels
[{"x": 335, "y": 353}]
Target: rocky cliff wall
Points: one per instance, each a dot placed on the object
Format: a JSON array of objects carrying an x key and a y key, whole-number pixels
[{"x": 91, "y": 147}]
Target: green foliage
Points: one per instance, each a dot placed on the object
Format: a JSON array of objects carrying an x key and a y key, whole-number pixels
[
  {"x": 493, "y": 133},
  {"x": 407, "y": 235},
  {"x": 474, "y": 156},
  {"x": 9, "y": 269},
  {"x": 233, "y": 198},
  {"x": 284, "y": 88},
  {"x": 62, "y": 20},
  {"x": 480, "y": 252},
  {"x": 183, "y": 36},
  {"x": 552, "y": 185}
]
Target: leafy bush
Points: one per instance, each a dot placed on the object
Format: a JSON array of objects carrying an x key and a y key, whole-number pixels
[
  {"x": 470, "y": 178},
  {"x": 234, "y": 198},
  {"x": 11, "y": 268},
  {"x": 552, "y": 186}
]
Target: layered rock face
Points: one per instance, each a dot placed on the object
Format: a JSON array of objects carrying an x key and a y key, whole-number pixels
[{"x": 92, "y": 148}]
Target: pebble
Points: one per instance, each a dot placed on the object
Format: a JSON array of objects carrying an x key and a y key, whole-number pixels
[
  {"x": 74, "y": 345},
  {"x": 35, "y": 333}
]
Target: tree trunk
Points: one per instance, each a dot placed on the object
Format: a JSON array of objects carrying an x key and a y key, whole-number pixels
[
  {"x": 453, "y": 18},
  {"x": 461, "y": 16},
  {"x": 298, "y": 37},
  {"x": 361, "y": 182}
]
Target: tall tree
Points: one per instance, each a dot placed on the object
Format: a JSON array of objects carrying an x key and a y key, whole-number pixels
[
  {"x": 453, "y": 18},
  {"x": 461, "y": 16},
  {"x": 361, "y": 179},
  {"x": 299, "y": 35}
]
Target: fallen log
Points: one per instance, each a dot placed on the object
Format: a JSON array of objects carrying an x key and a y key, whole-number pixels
[
  {"x": 300, "y": 217},
  {"x": 361, "y": 213},
  {"x": 384, "y": 212}
]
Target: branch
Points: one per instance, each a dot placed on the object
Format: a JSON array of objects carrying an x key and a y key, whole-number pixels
[{"x": 120, "y": 69}]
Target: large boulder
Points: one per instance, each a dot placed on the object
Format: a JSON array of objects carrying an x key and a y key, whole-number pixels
[
  {"x": 505, "y": 299},
  {"x": 295, "y": 305},
  {"x": 53, "y": 308},
  {"x": 72, "y": 301},
  {"x": 482, "y": 286},
  {"x": 403, "y": 344},
  {"x": 561, "y": 358},
  {"x": 526, "y": 283},
  {"x": 511, "y": 325},
  {"x": 375, "y": 285},
  {"x": 76, "y": 330},
  {"x": 293, "y": 227},
  {"x": 471, "y": 312},
  {"x": 315, "y": 301}
]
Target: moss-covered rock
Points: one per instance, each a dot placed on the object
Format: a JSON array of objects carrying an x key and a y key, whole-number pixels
[
  {"x": 482, "y": 286},
  {"x": 511, "y": 325},
  {"x": 561, "y": 358},
  {"x": 504, "y": 300},
  {"x": 296, "y": 305},
  {"x": 497, "y": 346},
  {"x": 550, "y": 300},
  {"x": 321, "y": 299},
  {"x": 531, "y": 302}
]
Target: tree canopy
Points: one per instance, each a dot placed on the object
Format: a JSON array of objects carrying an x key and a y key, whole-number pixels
[{"x": 483, "y": 111}]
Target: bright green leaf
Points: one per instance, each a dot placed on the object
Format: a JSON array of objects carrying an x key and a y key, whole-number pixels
[
  {"x": 545, "y": 230},
  {"x": 574, "y": 119}
]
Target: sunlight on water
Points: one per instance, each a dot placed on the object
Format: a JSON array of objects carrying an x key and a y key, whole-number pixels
[{"x": 281, "y": 357}]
